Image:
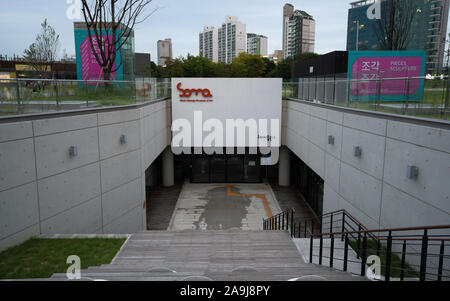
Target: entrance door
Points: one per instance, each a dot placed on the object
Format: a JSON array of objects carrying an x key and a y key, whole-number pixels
[
  {"x": 235, "y": 169},
  {"x": 200, "y": 169},
  {"x": 218, "y": 169},
  {"x": 252, "y": 170}
]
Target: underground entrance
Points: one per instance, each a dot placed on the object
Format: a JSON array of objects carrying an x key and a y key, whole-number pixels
[{"x": 224, "y": 190}]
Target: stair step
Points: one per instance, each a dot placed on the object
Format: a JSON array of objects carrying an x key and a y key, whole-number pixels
[{"x": 227, "y": 255}]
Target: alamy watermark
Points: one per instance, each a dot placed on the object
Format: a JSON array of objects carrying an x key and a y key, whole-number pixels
[
  {"x": 74, "y": 270},
  {"x": 213, "y": 136},
  {"x": 374, "y": 11},
  {"x": 374, "y": 267}
]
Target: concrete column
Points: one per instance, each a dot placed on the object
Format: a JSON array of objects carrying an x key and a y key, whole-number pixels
[
  {"x": 284, "y": 167},
  {"x": 167, "y": 168}
]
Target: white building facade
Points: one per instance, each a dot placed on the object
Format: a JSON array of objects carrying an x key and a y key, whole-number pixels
[
  {"x": 257, "y": 44},
  {"x": 209, "y": 43},
  {"x": 232, "y": 39},
  {"x": 299, "y": 31}
]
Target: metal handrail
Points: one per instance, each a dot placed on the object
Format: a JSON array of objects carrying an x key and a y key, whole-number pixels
[
  {"x": 366, "y": 243},
  {"x": 388, "y": 229}
]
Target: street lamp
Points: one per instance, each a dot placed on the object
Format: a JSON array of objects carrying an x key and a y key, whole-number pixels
[{"x": 358, "y": 27}]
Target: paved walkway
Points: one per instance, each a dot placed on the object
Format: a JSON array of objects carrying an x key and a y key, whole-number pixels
[
  {"x": 221, "y": 207},
  {"x": 160, "y": 206},
  {"x": 289, "y": 197}
]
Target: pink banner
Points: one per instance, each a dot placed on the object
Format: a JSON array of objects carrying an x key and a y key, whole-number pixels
[
  {"x": 368, "y": 70},
  {"x": 90, "y": 69}
]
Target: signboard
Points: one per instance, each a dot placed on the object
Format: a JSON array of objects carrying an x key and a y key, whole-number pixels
[
  {"x": 386, "y": 75},
  {"x": 90, "y": 69},
  {"x": 87, "y": 66},
  {"x": 223, "y": 106}
]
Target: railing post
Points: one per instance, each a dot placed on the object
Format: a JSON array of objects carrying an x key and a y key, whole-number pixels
[
  {"x": 402, "y": 271},
  {"x": 441, "y": 261},
  {"x": 387, "y": 274},
  {"x": 320, "y": 249},
  {"x": 364, "y": 255},
  {"x": 423, "y": 255},
  {"x": 331, "y": 223},
  {"x": 407, "y": 97},
  {"x": 332, "y": 251},
  {"x": 343, "y": 225},
  {"x": 87, "y": 94},
  {"x": 378, "y": 247},
  {"x": 345, "y": 252},
  {"x": 55, "y": 85},
  {"x": 292, "y": 223},
  {"x": 311, "y": 245},
  {"x": 321, "y": 223},
  {"x": 282, "y": 223},
  {"x": 379, "y": 93},
  {"x": 358, "y": 243},
  {"x": 279, "y": 222},
  {"x": 306, "y": 224}
]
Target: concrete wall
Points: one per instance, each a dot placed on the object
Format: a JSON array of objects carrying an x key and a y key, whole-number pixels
[
  {"x": 374, "y": 187},
  {"x": 102, "y": 190}
]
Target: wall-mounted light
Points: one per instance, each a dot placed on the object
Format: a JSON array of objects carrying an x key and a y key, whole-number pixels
[
  {"x": 73, "y": 151},
  {"x": 357, "y": 151},
  {"x": 412, "y": 172},
  {"x": 331, "y": 140},
  {"x": 123, "y": 139}
]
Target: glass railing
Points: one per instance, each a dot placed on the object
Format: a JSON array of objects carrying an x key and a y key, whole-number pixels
[
  {"x": 414, "y": 96},
  {"x": 24, "y": 96}
]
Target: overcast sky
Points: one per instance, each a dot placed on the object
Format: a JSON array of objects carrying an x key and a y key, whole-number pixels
[{"x": 180, "y": 20}]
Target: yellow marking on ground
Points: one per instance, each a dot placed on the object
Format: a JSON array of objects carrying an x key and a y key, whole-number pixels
[{"x": 257, "y": 195}]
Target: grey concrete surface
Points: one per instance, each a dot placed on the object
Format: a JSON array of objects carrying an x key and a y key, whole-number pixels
[
  {"x": 161, "y": 204},
  {"x": 374, "y": 187},
  {"x": 43, "y": 190},
  {"x": 289, "y": 197},
  {"x": 221, "y": 207}
]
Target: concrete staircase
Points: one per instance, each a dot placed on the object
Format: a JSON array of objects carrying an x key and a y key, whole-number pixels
[{"x": 227, "y": 255}]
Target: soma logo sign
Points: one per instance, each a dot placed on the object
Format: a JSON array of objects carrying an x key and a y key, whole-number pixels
[{"x": 186, "y": 93}]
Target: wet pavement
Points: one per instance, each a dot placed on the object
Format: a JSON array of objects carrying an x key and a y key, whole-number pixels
[{"x": 222, "y": 207}]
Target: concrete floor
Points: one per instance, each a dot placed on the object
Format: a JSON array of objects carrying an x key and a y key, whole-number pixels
[
  {"x": 161, "y": 203},
  {"x": 289, "y": 197},
  {"x": 223, "y": 206}
]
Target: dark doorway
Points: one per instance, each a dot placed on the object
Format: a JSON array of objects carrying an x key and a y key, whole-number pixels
[
  {"x": 200, "y": 169},
  {"x": 221, "y": 168},
  {"x": 235, "y": 169},
  {"x": 308, "y": 183},
  {"x": 218, "y": 169}
]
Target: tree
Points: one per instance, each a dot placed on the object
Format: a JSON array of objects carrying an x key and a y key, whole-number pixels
[
  {"x": 44, "y": 51},
  {"x": 283, "y": 69},
  {"x": 270, "y": 66},
  {"x": 393, "y": 30},
  {"x": 173, "y": 68},
  {"x": 109, "y": 24},
  {"x": 304, "y": 56},
  {"x": 198, "y": 66},
  {"x": 248, "y": 65}
]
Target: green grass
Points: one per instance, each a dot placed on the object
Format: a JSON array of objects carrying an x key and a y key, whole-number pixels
[
  {"x": 436, "y": 83},
  {"x": 41, "y": 258},
  {"x": 396, "y": 261}
]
